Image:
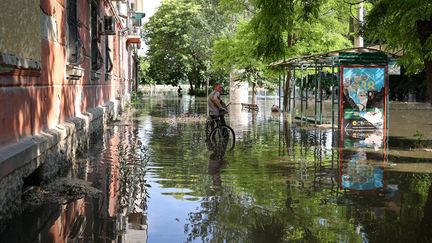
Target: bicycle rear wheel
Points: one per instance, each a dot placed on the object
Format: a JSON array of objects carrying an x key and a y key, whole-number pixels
[
  {"x": 210, "y": 125},
  {"x": 223, "y": 137}
]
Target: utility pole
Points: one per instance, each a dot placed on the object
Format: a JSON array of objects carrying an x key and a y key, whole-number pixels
[
  {"x": 358, "y": 39},
  {"x": 207, "y": 92}
]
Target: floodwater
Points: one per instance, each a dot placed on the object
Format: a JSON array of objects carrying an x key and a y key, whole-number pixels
[{"x": 283, "y": 182}]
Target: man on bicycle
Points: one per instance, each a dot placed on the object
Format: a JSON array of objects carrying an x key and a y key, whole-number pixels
[{"x": 215, "y": 104}]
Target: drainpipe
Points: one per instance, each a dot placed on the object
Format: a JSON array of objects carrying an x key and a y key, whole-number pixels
[{"x": 136, "y": 72}]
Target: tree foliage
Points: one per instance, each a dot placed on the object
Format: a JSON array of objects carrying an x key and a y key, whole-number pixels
[
  {"x": 179, "y": 37},
  {"x": 404, "y": 25},
  {"x": 274, "y": 19},
  {"x": 235, "y": 54},
  {"x": 143, "y": 76},
  {"x": 397, "y": 24}
]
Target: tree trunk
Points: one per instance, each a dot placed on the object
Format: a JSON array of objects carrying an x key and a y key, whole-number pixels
[
  {"x": 428, "y": 67},
  {"x": 254, "y": 93},
  {"x": 287, "y": 91},
  {"x": 424, "y": 30},
  {"x": 191, "y": 84}
]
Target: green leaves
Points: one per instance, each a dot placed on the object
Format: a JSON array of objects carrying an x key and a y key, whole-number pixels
[
  {"x": 197, "y": 40},
  {"x": 179, "y": 37},
  {"x": 269, "y": 23},
  {"x": 397, "y": 24}
]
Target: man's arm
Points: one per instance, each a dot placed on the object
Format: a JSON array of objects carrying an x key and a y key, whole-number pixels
[{"x": 216, "y": 101}]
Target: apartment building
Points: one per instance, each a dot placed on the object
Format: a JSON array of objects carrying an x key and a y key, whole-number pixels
[{"x": 66, "y": 67}]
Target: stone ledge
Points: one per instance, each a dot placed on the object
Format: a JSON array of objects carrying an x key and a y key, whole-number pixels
[{"x": 15, "y": 156}]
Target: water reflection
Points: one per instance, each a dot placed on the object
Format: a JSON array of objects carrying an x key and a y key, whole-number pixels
[
  {"x": 217, "y": 162},
  {"x": 361, "y": 156},
  {"x": 116, "y": 215},
  {"x": 284, "y": 182}
]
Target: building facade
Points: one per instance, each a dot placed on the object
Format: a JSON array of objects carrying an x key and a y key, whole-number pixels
[{"x": 65, "y": 65}]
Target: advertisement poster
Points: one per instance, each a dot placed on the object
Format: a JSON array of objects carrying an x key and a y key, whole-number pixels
[
  {"x": 363, "y": 98},
  {"x": 363, "y": 121}
]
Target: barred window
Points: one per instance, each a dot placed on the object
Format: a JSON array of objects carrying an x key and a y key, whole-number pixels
[
  {"x": 74, "y": 44},
  {"x": 97, "y": 60},
  {"x": 108, "y": 61}
]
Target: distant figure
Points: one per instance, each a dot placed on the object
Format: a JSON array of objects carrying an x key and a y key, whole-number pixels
[
  {"x": 275, "y": 108},
  {"x": 179, "y": 91}
]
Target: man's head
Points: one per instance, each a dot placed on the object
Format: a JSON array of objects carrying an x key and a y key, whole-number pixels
[{"x": 218, "y": 87}]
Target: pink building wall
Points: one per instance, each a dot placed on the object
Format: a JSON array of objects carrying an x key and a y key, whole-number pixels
[{"x": 36, "y": 99}]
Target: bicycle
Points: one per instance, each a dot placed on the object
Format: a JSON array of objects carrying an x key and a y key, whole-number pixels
[{"x": 219, "y": 135}]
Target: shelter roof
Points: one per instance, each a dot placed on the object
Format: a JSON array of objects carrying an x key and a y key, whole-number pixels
[{"x": 330, "y": 58}]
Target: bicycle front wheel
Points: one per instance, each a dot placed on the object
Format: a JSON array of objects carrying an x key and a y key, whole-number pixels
[
  {"x": 222, "y": 137},
  {"x": 210, "y": 125}
]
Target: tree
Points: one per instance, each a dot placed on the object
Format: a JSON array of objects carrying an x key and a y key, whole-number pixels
[
  {"x": 144, "y": 66},
  {"x": 275, "y": 22},
  {"x": 179, "y": 37},
  {"x": 284, "y": 29},
  {"x": 407, "y": 25},
  {"x": 236, "y": 53}
]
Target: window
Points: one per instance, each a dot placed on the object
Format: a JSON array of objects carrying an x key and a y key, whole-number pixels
[
  {"x": 96, "y": 56},
  {"x": 74, "y": 44},
  {"x": 108, "y": 62}
]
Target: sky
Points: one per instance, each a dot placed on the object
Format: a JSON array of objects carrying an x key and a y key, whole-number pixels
[{"x": 150, "y": 8}]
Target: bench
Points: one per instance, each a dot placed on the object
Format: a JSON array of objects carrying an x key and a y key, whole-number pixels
[{"x": 249, "y": 106}]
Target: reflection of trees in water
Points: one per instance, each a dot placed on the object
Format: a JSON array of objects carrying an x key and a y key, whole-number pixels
[
  {"x": 312, "y": 207},
  {"x": 401, "y": 215},
  {"x": 425, "y": 232},
  {"x": 265, "y": 209},
  {"x": 405, "y": 216},
  {"x": 229, "y": 217},
  {"x": 313, "y": 154},
  {"x": 237, "y": 217}
]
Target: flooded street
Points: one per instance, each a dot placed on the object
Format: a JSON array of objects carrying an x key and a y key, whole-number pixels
[{"x": 283, "y": 182}]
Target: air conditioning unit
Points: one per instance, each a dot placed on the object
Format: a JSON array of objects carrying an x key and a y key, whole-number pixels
[{"x": 108, "y": 27}]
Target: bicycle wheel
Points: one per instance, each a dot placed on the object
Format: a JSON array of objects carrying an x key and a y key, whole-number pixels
[
  {"x": 222, "y": 137},
  {"x": 210, "y": 125}
]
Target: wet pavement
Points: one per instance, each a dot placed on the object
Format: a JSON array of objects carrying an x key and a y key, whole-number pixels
[{"x": 284, "y": 181}]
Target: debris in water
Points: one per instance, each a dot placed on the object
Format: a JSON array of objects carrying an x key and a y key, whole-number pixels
[{"x": 59, "y": 191}]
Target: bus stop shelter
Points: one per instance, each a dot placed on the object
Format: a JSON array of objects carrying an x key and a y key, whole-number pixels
[{"x": 355, "y": 80}]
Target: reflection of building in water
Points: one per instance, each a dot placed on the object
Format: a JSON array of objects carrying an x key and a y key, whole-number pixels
[{"x": 99, "y": 219}]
